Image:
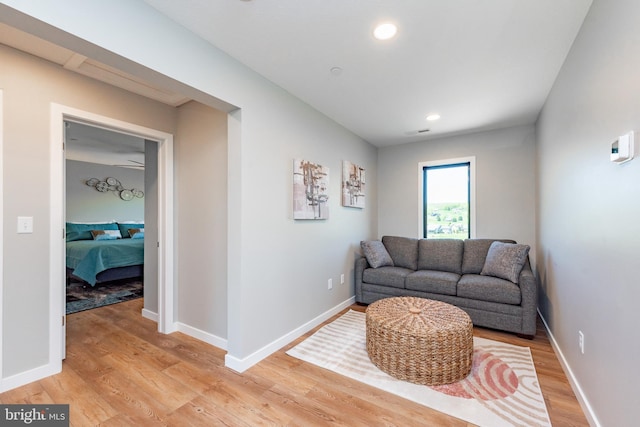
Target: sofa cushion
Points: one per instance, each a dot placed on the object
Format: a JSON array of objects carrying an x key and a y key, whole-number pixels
[
  {"x": 475, "y": 252},
  {"x": 403, "y": 251},
  {"x": 376, "y": 254},
  {"x": 389, "y": 276},
  {"x": 440, "y": 254},
  {"x": 437, "y": 282},
  {"x": 505, "y": 260},
  {"x": 488, "y": 288}
]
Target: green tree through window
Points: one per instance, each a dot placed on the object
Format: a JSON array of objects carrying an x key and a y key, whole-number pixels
[{"x": 447, "y": 201}]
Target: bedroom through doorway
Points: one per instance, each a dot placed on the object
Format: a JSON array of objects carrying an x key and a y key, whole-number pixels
[{"x": 104, "y": 216}]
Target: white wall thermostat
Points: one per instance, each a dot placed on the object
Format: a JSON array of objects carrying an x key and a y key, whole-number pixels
[{"x": 622, "y": 148}]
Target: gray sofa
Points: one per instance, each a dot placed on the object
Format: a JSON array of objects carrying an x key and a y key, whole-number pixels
[{"x": 493, "y": 283}]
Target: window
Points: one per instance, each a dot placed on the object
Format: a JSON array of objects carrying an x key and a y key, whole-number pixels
[{"x": 447, "y": 195}]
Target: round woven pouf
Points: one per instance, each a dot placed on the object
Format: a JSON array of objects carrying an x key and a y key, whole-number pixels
[{"x": 420, "y": 340}]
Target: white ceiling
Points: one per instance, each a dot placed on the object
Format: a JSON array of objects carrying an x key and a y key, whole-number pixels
[{"x": 479, "y": 64}]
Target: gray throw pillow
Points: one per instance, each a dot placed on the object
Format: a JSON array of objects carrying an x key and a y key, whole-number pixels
[
  {"x": 375, "y": 253},
  {"x": 505, "y": 260}
]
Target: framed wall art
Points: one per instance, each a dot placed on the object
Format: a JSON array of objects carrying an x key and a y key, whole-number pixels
[
  {"x": 353, "y": 185},
  {"x": 310, "y": 190}
]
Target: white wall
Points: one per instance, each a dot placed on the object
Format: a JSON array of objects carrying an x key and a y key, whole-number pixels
[
  {"x": 285, "y": 264},
  {"x": 86, "y": 204},
  {"x": 201, "y": 221},
  {"x": 277, "y": 267},
  {"x": 505, "y": 182},
  {"x": 30, "y": 85},
  {"x": 589, "y": 233}
]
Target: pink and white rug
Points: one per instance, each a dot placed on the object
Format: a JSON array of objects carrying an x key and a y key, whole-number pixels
[{"x": 502, "y": 389}]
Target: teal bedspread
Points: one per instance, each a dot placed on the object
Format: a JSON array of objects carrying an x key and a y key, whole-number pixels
[{"x": 87, "y": 258}]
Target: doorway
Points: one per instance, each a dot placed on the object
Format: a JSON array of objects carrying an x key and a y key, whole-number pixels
[
  {"x": 105, "y": 218},
  {"x": 163, "y": 245}
]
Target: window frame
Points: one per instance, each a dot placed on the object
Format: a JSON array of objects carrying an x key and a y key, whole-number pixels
[{"x": 472, "y": 190}]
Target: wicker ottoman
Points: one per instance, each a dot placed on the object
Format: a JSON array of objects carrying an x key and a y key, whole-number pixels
[{"x": 420, "y": 340}]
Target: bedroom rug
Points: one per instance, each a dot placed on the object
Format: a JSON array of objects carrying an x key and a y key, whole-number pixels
[
  {"x": 502, "y": 389},
  {"x": 81, "y": 296}
]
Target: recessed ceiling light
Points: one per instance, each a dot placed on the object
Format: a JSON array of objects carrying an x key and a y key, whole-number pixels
[
  {"x": 385, "y": 31},
  {"x": 433, "y": 117}
]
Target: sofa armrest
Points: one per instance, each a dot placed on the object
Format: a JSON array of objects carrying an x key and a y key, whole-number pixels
[
  {"x": 529, "y": 291},
  {"x": 361, "y": 264}
]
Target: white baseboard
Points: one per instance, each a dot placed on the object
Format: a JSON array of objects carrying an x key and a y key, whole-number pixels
[
  {"x": 201, "y": 335},
  {"x": 241, "y": 365},
  {"x": 575, "y": 385},
  {"x": 189, "y": 330},
  {"x": 30, "y": 376},
  {"x": 148, "y": 314}
]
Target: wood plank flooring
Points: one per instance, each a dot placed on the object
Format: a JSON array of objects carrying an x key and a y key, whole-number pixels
[{"x": 120, "y": 372}]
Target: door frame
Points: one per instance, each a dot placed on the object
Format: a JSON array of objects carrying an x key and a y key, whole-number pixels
[
  {"x": 60, "y": 114},
  {"x": 1, "y": 238}
]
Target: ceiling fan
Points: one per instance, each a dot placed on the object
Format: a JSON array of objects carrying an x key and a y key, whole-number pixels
[{"x": 133, "y": 164}]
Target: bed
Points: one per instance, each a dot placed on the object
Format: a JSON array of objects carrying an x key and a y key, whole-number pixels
[{"x": 102, "y": 252}]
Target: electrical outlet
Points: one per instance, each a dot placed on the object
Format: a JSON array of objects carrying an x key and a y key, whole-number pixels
[
  {"x": 581, "y": 341},
  {"x": 342, "y": 279},
  {"x": 330, "y": 283}
]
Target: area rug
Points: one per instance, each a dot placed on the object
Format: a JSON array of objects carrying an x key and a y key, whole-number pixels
[
  {"x": 502, "y": 389},
  {"x": 82, "y": 296}
]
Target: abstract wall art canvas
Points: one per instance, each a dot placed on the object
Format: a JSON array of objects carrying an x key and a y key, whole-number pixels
[
  {"x": 310, "y": 190},
  {"x": 353, "y": 185}
]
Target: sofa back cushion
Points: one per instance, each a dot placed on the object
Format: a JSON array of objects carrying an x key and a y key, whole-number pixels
[
  {"x": 440, "y": 255},
  {"x": 475, "y": 253},
  {"x": 403, "y": 251}
]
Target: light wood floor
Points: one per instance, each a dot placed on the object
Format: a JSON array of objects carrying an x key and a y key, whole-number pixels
[{"x": 119, "y": 371}]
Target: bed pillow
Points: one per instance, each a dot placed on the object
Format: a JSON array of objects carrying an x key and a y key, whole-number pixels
[
  {"x": 82, "y": 230},
  {"x": 106, "y": 234},
  {"x": 505, "y": 260},
  {"x": 136, "y": 233},
  {"x": 124, "y": 227},
  {"x": 376, "y": 254}
]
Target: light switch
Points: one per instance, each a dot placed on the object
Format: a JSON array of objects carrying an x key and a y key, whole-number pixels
[{"x": 25, "y": 224}]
